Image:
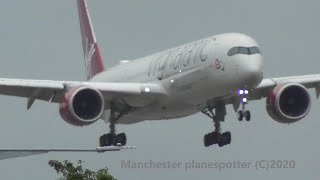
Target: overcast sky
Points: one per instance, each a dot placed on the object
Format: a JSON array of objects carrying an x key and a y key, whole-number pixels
[{"x": 40, "y": 39}]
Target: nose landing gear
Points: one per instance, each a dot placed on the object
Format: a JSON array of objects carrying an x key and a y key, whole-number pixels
[{"x": 243, "y": 113}]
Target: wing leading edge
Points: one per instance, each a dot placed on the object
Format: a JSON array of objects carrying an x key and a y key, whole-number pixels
[{"x": 266, "y": 85}]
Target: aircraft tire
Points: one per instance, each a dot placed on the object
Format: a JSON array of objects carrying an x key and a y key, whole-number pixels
[
  {"x": 106, "y": 140},
  {"x": 247, "y": 115},
  {"x": 240, "y": 115}
]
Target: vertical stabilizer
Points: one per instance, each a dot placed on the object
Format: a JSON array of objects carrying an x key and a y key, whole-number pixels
[{"x": 92, "y": 56}]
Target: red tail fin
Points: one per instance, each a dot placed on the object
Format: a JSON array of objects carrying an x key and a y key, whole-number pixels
[{"x": 92, "y": 56}]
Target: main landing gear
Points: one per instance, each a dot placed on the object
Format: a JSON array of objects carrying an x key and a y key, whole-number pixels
[
  {"x": 216, "y": 137},
  {"x": 112, "y": 138},
  {"x": 243, "y": 113}
]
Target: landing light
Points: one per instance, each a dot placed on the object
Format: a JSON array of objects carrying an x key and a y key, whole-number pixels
[
  {"x": 147, "y": 89},
  {"x": 244, "y": 100},
  {"x": 172, "y": 80},
  {"x": 240, "y": 91},
  {"x": 246, "y": 92}
]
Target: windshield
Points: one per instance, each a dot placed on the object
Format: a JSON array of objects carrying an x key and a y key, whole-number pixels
[{"x": 244, "y": 50}]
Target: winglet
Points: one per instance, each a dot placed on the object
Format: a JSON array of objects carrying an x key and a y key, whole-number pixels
[{"x": 92, "y": 56}]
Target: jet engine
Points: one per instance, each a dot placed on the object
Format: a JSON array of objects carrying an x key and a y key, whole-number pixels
[
  {"x": 288, "y": 103},
  {"x": 82, "y": 106}
]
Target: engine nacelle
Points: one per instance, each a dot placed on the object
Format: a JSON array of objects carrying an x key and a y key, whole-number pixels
[
  {"x": 288, "y": 103},
  {"x": 82, "y": 106}
]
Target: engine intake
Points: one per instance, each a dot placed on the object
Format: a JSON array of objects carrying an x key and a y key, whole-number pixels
[
  {"x": 82, "y": 106},
  {"x": 288, "y": 103}
]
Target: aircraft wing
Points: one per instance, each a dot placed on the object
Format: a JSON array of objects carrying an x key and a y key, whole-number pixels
[
  {"x": 52, "y": 91},
  {"x": 8, "y": 154},
  {"x": 14, "y": 153},
  {"x": 266, "y": 85}
]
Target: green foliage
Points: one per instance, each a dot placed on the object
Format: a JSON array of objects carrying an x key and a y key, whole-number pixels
[{"x": 69, "y": 171}]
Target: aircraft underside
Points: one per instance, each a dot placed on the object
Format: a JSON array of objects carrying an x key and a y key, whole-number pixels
[{"x": 216, "y": 110}]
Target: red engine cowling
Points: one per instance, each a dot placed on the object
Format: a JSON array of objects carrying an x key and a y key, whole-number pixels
[
  {"x": 288, "y": 103},
  {"x": 82, "y": 106}
]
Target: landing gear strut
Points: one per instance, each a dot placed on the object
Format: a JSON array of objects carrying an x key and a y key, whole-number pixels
[
  {"x": 112, "y": 138},
  {"x": 243, "y": 113},
  {"x": 216, "y": 137}
]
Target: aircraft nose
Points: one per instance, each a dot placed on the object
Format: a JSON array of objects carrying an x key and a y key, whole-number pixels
[{"x": 249, "y": 70}]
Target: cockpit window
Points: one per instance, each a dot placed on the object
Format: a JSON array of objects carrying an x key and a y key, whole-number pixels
[
  {"x": 253, "y": 50},
  {"x": 233, "y": 51},
  {"x": 244, "y": 50}
]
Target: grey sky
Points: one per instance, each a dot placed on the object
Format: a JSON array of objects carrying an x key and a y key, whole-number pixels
[{"x": 40, "y": 39}]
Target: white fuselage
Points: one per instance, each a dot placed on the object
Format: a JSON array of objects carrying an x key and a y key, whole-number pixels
[{"x": 191, "y": 74}]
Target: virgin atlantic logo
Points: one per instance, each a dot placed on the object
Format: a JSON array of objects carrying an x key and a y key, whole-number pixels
[{"x": 218, "y": 65}]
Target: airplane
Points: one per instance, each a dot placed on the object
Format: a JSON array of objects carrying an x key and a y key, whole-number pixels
[{"x": 202, "y": 76}]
